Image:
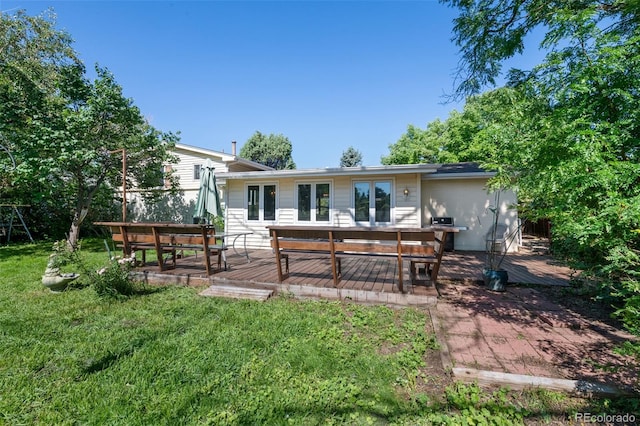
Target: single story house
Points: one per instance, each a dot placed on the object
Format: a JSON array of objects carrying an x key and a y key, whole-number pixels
[{"x": 397, "y": 195}]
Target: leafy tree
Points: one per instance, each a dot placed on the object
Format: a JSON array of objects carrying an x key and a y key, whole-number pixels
[
  {"x": 580, "y": 150},
  {"x": 491, "y": 31},
  {"x": 419, "y": 146},
  {"x": 63, "y": 129},
  {"x": 33, "y": 57},
  {"x": 99, "y": 122},
  {"x": 496, "y": 129},
  {"x": 490, "y": 130},
  {"x": 351, "y": 157},
  {"x": 272, "y": 150}
]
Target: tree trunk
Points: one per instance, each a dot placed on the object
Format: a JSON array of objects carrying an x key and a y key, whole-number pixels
[{"x": 74, "y": 231}]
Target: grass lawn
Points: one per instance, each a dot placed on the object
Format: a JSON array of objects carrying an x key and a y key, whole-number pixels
[{"x": 169, "y": 356}]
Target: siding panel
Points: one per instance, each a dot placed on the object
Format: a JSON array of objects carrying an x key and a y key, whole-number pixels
[{"x": 467, "y": 202}]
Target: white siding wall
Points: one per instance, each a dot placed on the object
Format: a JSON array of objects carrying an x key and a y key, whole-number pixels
[
  {"x": 236, "y": 221},
  {"x": 286, "y": 198},
  {"x": 184, "y": 171},
  {"x": 342, "y": 204},
  {"x": 175, "y": 208},
  {"x": 467, "y": 201},
  {"x": 405, "y": 210},
  {"x": 235, "y": 216}
]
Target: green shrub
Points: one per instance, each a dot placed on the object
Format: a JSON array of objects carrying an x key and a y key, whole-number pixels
[
  {"x": 606, "y": 247},
  {"x": 114, "y": 279},
  {"x": 110, "y": 280}
]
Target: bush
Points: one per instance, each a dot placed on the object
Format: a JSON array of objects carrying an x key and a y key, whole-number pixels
[
  {"x": 606, "y": 247},
  {"x": 114, "y": 280}
]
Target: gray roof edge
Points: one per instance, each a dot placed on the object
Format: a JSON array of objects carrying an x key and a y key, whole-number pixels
[
  {"x": 462, "y": 170},
  {"x": 334, "y": 171},
  {"x": 203, "y": 151},
  {"x": 479, "y": 175},
  {"x": 257, "y": 165}
]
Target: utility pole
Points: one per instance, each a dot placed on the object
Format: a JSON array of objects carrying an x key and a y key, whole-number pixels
[{"x": 124, "y": 181}]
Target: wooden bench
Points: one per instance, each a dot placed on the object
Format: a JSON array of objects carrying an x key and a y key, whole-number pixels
[
  {"x": 417, "y": 245},
  {"x": 166, "y": 238}
]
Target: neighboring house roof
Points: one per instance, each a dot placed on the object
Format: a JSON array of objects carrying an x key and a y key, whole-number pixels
[
  {"x": 431, "y": 171},
  {"x": 232, "y": 161}
]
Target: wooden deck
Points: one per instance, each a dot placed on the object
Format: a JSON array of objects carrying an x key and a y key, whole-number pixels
[{"x": 365, "y": 279}]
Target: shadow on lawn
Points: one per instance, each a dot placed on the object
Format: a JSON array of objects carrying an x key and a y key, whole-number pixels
[
  {"x": 92, "y": 366},
  {"x": 25, "y": 249}
]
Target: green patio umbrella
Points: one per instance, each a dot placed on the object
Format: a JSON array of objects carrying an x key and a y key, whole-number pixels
[{"x": 208, "y": 201}]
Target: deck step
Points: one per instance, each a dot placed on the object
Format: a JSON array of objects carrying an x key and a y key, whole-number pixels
[{"x": 237, "y": 292}]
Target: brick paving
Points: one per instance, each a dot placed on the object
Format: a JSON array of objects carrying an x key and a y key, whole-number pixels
[{"x": 521, "y": 332}]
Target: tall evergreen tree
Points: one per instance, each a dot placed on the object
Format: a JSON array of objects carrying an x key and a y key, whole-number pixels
[{"x": 351, "y": 157}]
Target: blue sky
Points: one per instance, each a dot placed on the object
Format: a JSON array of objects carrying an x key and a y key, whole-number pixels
[{"x": 326, "y": 74}]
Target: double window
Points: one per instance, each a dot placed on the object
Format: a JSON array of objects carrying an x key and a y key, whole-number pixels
[
  {"x": 261, "y": 202},
  {"x": 313, "y": 202},
  {"x": 372, "y": 202}
]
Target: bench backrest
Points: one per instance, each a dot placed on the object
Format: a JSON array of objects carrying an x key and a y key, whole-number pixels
[
  {"x": 164, "y": 234},
  {"x": 300, "y": 239},
  {"x": 409, "y": 242}
]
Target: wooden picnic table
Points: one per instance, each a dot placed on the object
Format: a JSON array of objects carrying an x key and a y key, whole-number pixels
[
  {"x": 418, "y": 245},
  {"x": 166, "y": 237}
]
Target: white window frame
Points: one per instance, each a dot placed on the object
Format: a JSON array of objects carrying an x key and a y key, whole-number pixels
[
  {"x": 197, "y": 170},
  {"x": 261, "y": 192},
  {"x": 313, "y": 211},
  {"x": 372, "y": 202}
]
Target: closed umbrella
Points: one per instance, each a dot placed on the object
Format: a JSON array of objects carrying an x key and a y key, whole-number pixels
[{"x": 208, "y": 201}]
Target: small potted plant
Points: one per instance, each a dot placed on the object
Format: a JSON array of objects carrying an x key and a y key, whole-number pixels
[
  {"x": 498, "y": 242},
  {"x": 495, "y": 278}
]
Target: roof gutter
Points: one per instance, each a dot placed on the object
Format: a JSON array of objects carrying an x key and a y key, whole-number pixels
[{"x": 336, "y": 171}]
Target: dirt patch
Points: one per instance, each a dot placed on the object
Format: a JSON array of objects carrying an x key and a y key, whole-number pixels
[{"x": 434, "y": 377}]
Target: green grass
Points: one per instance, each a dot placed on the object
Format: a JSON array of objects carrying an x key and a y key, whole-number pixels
[{"x": 169, "y": 356}]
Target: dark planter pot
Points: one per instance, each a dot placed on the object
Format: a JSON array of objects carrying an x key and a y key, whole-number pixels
[{"x": 495, "y": 280}]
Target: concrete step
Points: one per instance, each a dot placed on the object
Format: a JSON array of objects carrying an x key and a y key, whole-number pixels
[{"x": 237, "y": 292}]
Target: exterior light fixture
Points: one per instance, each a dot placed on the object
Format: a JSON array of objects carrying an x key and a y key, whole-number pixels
[{"x": 406, "y": 192}]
